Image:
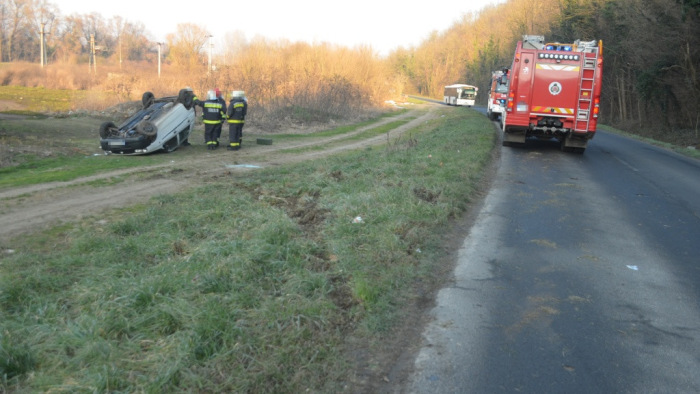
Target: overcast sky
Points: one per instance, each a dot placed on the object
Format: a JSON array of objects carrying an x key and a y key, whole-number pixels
[{"x": 383, "y": 24}]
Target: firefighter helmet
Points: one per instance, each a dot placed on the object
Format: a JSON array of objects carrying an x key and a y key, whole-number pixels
[
  {"x": 237, "y": 94},
  {"x": 211, "y": 95},
  {"x": 218, "y": 92}
]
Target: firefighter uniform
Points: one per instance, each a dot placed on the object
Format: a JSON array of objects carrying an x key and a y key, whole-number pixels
[
  {"x": 217, "y": 128},
  {"x": 213, "y": 116},
  {"x": 237, "y": 109}
]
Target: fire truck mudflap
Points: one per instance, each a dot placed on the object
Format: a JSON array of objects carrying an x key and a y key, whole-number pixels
[{"x": 554, "y": 92}]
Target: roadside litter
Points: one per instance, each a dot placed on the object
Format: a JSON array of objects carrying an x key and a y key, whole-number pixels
[{"x": 242, "y": 166}]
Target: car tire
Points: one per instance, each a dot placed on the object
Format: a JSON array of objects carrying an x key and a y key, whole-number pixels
[
  {"x": 147, "y": 128},
  {"x": 185, "y": 98},
  {"x": 106, "y": 129},
  {"x": 147, "y": 99}
]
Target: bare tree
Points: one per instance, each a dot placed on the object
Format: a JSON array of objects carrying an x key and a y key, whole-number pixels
[
  {"x": 3, "y": 26},
  {"x": 16, "y": 20},
  {"x": 135, "y": 42},
  {"x": 117, "y": 24},
  {"x": 69, "y": 34},
  {"x": 42, "y": 17},
  {"x": 234, "y": 43},
  {"x": 187, "y": 45}
]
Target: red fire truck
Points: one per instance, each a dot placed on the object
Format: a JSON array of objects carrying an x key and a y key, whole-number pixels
[
  {"x": 554, "y": 92},
  {"x": 498, "y": 94}
]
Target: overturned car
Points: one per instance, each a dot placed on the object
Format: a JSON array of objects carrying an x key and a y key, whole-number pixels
[{"x": 163, "y": 124}]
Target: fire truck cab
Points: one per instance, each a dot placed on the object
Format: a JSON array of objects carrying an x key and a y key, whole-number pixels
[
  {"x": 554, "y": 92},
  {"x": 498, "y": 94}
]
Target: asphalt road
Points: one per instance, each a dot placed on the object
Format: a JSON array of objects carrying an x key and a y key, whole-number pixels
[{"x": 581, "y": 274}]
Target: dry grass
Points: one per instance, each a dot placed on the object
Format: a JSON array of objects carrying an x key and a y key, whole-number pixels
[{"x": 299, "y": 85}]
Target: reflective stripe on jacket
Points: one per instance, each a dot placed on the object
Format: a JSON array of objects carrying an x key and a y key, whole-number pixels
[
  {"x": 213, "y": 112},
  {"x": 237, "y": 110}
]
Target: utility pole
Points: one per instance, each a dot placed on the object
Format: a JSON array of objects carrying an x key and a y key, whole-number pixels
[
  {"x": 120, "y": 52},
  {"x": 210, "y": 47},
  {"x": 93, "y": 60},
  {"x": 41, "y": 38},
  {"x": 160, "y": 44}
]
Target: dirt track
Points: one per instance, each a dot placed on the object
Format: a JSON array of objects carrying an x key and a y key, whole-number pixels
[{"x": 36, "y": 207}]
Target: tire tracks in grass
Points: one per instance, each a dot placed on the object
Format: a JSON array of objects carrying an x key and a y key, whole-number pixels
[{"x": 36, "y": 207}]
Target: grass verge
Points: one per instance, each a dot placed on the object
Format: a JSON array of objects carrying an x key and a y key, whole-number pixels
[
  {"x": 683, "y": 150},
  {"x": 249, "y": 285}
]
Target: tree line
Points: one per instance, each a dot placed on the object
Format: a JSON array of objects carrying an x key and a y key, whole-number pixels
[
  {"x": 651, "y": 54},
  {"x": 68, "y": 38}
]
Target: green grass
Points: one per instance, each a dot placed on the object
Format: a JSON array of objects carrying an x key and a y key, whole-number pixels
[
  {"x": 678, "y": 149},
  {"x": 371, "y": 132},
  {"x": 249, "y": 285},
  {"x": 72, "y": 146},
  {"x": 337, "y": 130},
  {"x": 35, "y": 170},
  {"x": 39, "y": 99}
]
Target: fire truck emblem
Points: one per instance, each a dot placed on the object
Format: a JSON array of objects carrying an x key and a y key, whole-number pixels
[{"x": 554, "y": 88}]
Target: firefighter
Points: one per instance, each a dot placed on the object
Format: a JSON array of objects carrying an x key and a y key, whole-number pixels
[
  {"x": 217, "y": 129},
  {"x": 237, "y": 109},
  {"x": 213, "y": 115}
]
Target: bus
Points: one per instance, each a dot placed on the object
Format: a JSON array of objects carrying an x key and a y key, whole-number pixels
[{"x": 460, "y": 94}]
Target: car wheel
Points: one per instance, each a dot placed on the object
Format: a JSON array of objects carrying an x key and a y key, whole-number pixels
[
  {"x": 106, "y": 129},
  {"x": 147, "y": 128},
  {"x": 185, "y": 98},
  {"x": 147, "y": 99}
]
